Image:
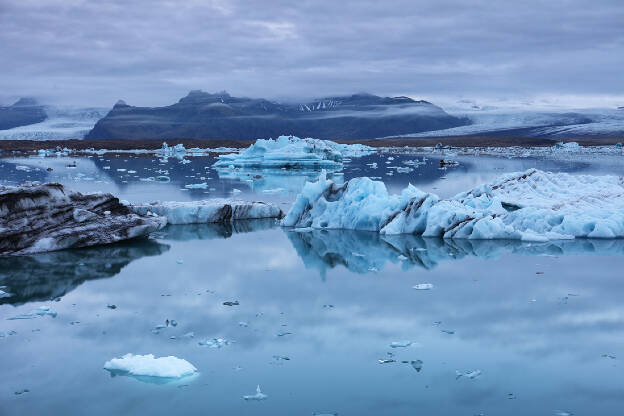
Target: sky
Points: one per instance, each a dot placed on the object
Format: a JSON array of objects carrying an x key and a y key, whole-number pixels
[{"x": 152, "y": 52}]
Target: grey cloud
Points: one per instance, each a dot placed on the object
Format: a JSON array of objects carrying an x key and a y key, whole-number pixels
[{"x": 151, "y": 52}]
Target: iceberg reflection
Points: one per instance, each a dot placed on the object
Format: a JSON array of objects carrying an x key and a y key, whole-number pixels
[
  {"x": 366, "y": 252},
  {"x": 48, "y": 276},
  {"x": 214, "y": 231},
  {"x": 284, "y": 181}
]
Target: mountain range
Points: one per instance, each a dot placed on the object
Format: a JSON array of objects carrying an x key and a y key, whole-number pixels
[
  {"x": 23, "y": 112},
  {"x": 207, "y": 116}
]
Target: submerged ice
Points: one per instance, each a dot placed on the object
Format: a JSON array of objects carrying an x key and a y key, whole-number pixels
[
  {"x": 292, "y": 152},
  {"x": 531, "y": 206}
]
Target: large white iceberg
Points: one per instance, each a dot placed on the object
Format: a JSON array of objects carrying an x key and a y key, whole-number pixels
[
  {"x": 149, "y": 366},
  {"x": 208, "y": 211},
  {"x": 532, "y": 205},
  {"x": 292, "y": 152}
]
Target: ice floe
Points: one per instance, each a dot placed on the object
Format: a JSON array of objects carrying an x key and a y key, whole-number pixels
[
  {"x": 208, "y": 211},
  {"x": 292, "y": 152},
  {"x": 530, "y": 206},
  {"x": 149, "y": 366}
]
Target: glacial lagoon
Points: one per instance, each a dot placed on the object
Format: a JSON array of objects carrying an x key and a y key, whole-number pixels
[{"x": 325, "y": 321}]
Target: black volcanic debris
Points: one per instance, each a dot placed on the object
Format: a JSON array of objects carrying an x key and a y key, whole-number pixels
[
  {"x": 24, "y": 112},
  {"x": 202, "y": 115}
]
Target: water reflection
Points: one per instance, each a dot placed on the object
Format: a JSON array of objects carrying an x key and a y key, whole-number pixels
[
  {"x": 270, "y": 181},
  {"x": 48, "y": 276},
  {"x": 367, "y": 252},
  {"x": 212, "y": 231}
]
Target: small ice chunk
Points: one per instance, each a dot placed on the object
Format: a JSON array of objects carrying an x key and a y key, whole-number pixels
[
  {"x": 215, "y": 342},
  {"x": 472, "y": 374},
  {"x": 400, "y": 344},
  {"x": 423, "y": 286},
  {"x": 202, "y": 185},
  {"x": 40, "y": 311},
  {"x": 149, "y": 366},
  {"x": 231, "y": 303},
  {"x": 258, "y": 396},
  {"x": 386, "y": 361}
]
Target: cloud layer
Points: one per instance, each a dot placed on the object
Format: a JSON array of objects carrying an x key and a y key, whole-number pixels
[{"x": 151, "y": 52}]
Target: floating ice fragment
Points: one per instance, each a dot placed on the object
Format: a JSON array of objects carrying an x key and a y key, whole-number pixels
[
  {"x": 231, "y": 303},
  {"x": 179, "y": 261},
  {"x": 281, "y": 358},
  {"x": 447, "y": 331},
  {"x": 202, "y": 185},
  {"x": 148, "y": 366},
  {"x": 563, "y": 413},
  {"x": 258, "y": 396},
  {"x": 472, "y": 374},
  {"x": 111, "y": 306},
  {"x": 4, "y": 294},
  {"x": 243, "y": 324},
  {"x": 324, "y": 413},
  {"x": 386, "y": 361},
  {"x": 215, "y": 343},
  {"x": 423, "y": 286},
  {"x": 400, "y": 344},
  {"x": 283, "y": 334},
  {"x": 40, "y": 311},
  {"x": 19, "y": 392}
]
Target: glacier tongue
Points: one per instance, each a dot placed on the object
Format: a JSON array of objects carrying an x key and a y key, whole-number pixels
[
  {"x": 209, "y": 211},
  {"x": 532, "y": 205},
  {"x": 45, "y": 217}
]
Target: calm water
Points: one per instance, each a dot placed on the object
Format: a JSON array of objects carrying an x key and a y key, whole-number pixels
[{"x": 542, "y": 322}]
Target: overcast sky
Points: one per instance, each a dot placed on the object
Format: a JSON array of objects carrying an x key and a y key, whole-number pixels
[{"x": 152, "y": 52}]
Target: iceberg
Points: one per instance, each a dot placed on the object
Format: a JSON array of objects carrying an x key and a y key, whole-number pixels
[
  {"x": 46, "y": 217},
  {"x": 208, "y": 211},
  {"x": 149, "y": 366},
  {"x": 293, "y": 153},
  {"x": 529, "y": 206}
]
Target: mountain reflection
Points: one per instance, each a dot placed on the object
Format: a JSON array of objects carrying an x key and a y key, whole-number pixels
[
  {"x": 366, "y": 252},
  {"x": 51, "y": 275}
]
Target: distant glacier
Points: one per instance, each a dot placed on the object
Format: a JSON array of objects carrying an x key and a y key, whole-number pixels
[{"x": 62, "y": 123}]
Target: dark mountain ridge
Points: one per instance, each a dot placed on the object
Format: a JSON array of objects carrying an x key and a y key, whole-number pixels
[
  {"x": 219, "y": 115},
  {"x": 22, "y": 113}
]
